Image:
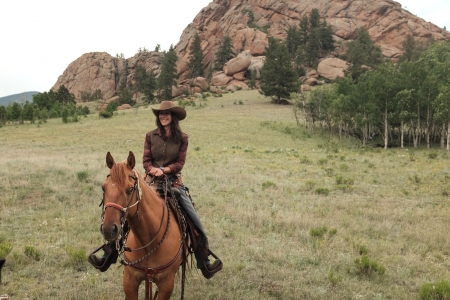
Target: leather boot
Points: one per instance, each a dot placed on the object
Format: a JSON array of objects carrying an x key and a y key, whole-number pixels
[
  {"x": 209, "y": 270},
  {"x": 109, "y": 257}
]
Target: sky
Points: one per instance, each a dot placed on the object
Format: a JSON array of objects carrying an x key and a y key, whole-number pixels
[{"x": 40, "y": 38}]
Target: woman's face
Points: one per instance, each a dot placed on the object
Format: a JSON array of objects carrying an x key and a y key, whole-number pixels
[{"x": 165, "y": 117}]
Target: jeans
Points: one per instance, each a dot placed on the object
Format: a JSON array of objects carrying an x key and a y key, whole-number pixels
[{"x": 188, "y": 208}]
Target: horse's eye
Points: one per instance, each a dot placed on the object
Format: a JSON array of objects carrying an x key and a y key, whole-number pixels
[{"x": 130, "y": 190}]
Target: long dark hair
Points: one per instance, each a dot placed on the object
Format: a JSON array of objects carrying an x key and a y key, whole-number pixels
[{"x": 175, "y": 128}]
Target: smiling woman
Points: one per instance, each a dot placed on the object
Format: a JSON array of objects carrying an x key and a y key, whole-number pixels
[{"x": 165, "y": 150}]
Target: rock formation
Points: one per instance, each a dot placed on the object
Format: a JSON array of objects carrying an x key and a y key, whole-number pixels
[{"x": 248, "y": 23}]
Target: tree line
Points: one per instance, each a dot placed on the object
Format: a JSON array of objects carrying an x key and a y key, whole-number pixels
[
  {"x": 405, "y": 102},
  {"x": 47, "y": 105}
]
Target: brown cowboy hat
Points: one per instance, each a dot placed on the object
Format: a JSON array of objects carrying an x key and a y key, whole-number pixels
[{"x": 169, "y": 106}]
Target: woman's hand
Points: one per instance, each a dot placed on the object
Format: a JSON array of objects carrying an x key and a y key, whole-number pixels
[{"x": 156, "y": 172}]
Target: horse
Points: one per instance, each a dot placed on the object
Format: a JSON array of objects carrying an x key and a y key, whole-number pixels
[{"x": 153, "y": 248}]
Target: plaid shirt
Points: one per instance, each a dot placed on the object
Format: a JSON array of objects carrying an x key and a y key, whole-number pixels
[{"x": 174, "y": 161}]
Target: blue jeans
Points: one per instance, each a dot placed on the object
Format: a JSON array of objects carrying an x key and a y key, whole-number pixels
[{"x": 188, "y": 208}]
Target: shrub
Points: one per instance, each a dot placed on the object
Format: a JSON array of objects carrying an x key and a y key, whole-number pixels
[
  {"x": 5, "y": 247},
  {"x": 432, "y": 155},
  {"x": 433, "y": 291},
  {"x": 368, "y": 267},
  {"x": 77, "y": 257},
  {"x": 318, "y": 232},
  {"x": 268, "y": 184},
  {"x": 310, "y": 184},
  {"x": 322, "y": 191},
  {"x": 82, "y": 176},
  {"x": 32, "y": 253},
  {"x": 333, "y": 278},
  {"x": 110, "y": 109},
  {"x": 322, "y": 161},
  {"x": 342, "y": 180}
]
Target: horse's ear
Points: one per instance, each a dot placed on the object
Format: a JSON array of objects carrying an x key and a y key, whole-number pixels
[
  {"x": 131, "y": 160},
  {"x": 109, "y": 160}
]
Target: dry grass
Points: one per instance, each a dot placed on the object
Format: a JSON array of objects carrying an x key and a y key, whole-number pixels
[{"x": 287, "y": 211}]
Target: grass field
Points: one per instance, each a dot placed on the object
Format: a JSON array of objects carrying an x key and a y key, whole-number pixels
[{"x": 293, "y": 215}]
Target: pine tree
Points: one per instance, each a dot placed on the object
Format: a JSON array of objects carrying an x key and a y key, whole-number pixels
[
  {"x": 167, "y": 77},
  {"x": 223, "y": 54},
  {"x": 362, "y": 52},
  {"x": 195, "y": 64},
  {"x": 278, "y": 77}
]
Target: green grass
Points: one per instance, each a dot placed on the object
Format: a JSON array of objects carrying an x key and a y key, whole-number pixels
[{"x": 286, "y": 210}]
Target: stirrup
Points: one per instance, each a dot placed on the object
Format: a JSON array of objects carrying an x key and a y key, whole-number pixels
[
  {"x": 208, "y": 271},
  {"x": 110, "y": 257}
]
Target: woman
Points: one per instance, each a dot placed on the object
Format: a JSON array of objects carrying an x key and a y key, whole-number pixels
[{"x": 165, "y": 151}]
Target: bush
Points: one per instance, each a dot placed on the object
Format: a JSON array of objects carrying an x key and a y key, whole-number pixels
[
  {"x": 433, "y": 291},
  {"x": 32, "y": 253},
  {"x": 368, "y": 267},
  {"x": 82, "y": 176},
  {"x": 322, "y": 191},
  {"x": 110, "y": 109},
  {"x": 77, "y": 257},
  {"x": 318, "y": 232},
  {"x": 268, "y": 184},
  {"x": 432, "y": 155},
  {"x": 5, "y": 247}
]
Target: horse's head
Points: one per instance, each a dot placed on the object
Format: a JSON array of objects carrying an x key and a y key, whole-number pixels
[{"x": 120, "y": 195}]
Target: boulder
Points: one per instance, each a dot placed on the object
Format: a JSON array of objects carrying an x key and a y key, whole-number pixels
[
  {"x": 237, "y": 84},
  {"x": 221, "y": 79},
  {"x": 180, "y": 90},
  {"x": 239, "y": 76},
  {"x": 311, "y": 81},
  {"x": 201, "y": 83},
  {"x": 312, "y": 74},
  {"x": 332, "y": 68},
  {"x": 305, "y": 88},
  {"x": 238, "y": 64}
]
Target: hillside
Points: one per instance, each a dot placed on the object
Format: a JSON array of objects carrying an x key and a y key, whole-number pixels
[
  {"x": 19, "y": 98},
  {"x": 291, "y": 213}
]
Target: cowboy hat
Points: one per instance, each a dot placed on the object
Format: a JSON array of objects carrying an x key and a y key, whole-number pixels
[{"x": 169, "y": 106}]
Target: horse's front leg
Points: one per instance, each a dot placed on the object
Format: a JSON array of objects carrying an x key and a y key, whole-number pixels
[
  {"x": 131, "y": 284},
  {"x": 165, "y": 288}
]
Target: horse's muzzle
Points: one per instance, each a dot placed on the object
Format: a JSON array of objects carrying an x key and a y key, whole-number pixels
[{"x": 110, "y": 233}]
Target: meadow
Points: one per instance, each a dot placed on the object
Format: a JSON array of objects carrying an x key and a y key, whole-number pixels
[{"x": 292, "y": 214}]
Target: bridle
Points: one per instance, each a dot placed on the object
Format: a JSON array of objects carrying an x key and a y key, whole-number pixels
[{"x": 124, "y": 210}]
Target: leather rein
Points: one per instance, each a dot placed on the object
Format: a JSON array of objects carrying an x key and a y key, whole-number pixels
[{"x": 122, "y": 238}]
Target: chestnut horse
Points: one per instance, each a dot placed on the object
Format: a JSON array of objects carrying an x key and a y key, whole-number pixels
[{"x": 154, "y": 248}]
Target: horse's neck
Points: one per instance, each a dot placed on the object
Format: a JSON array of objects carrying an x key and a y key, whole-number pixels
[{"x": 149, "y": 220}]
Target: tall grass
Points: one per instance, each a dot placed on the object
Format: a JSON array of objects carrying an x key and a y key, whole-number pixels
[{"x": 286, "y": 210}]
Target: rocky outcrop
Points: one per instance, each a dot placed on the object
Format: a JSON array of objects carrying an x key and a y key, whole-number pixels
[
  {"x": 332, "y": 68},
  {"x": 101, "y": 71},
  {"x": 248, "y": 23}
]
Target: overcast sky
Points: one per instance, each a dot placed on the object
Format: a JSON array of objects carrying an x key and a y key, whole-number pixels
[{"x": 40, "y": 38}]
